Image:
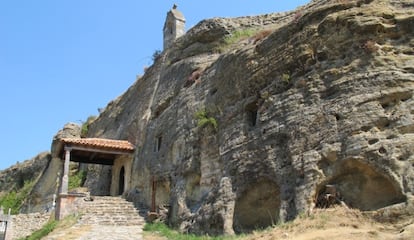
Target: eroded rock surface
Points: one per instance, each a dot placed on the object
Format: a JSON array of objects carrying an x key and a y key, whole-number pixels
[
  {"x": 324, "y": 98},
  {"x": 245, "y": 134}
]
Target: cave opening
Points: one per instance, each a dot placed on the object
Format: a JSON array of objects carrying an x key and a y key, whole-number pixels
[
  {"x": 359, "y": 186},
  {"x": 257, "y": 207}
]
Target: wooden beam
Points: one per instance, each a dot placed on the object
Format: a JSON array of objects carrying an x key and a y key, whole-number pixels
[
  {"x": 92, "y": 157},
  {"x": 95, "y": 150},
  {"x": 94, "y": 161}
]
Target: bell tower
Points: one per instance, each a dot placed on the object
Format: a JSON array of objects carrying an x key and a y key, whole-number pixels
[{"x": 174, "y": 26}]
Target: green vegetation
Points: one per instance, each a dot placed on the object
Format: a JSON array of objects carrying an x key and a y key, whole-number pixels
[
  {"x": 14, "y": 199},
  {"x": 77, "y": 180},
  {"x": 52, "y": 225},
  {"x": 156, "y": 55},
  {"x": 204, "y": 120},
  {"x": 163, "y": 230},
  {"x": 85, "y": 125},
  {"x": 286, "y": 77},
  {"x": 239, "y": 35},
  {"x": 236, "y": 37},
  {"x": 253, "y": 34},
  {"x": 45, "y": 230}
]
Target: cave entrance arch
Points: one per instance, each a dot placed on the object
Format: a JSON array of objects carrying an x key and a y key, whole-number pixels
[
  {"x": 360, "y": 186},
  {"x": 121, "y": 184},
  {"x": 257, "y": 207}
]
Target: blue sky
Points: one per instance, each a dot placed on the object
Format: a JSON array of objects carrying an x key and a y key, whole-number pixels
[{"x": 62, "y": 60}]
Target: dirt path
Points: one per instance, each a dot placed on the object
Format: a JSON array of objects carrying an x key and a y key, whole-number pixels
[{"x": 97, "y": 232}]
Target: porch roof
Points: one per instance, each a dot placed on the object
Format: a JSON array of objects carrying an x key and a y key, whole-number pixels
[{"x": 96, "y": 150}]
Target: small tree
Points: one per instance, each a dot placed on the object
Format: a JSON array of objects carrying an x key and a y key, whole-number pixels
[{"x": 156, "y": 55}]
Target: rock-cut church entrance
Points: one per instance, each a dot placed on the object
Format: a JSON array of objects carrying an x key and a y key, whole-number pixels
[{"x": 115, "y": 153}]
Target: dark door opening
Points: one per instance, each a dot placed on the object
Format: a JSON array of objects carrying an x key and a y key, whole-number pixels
[{"x": 121, "y": 181}]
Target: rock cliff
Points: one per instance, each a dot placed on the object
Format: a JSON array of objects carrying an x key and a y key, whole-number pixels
[
  {"x": 240, "y": 133},
  {"x": 318, "y": 97},
  {"x": 14, "y": 177}
]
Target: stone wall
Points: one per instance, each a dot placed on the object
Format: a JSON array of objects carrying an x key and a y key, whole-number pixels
[
  {"x": 121, "y": 164},
  {"x": 24, "y": 225}
]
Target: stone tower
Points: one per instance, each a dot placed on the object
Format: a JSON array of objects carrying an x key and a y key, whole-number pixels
[{"x": 174, "y": 26}]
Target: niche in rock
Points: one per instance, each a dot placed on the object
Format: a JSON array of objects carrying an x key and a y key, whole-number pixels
[
  {"x": 194, "y": 192},
  {"x": 162, "y": 197},
  {"x": 360, "y": 186},
  {"x": 251, "y": 114},
  {"x": 257, "y": 207}
]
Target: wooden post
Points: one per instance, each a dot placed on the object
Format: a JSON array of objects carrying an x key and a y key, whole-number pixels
[{"x": 65, "y": 178}]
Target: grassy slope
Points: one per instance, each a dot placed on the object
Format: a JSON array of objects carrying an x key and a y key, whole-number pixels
[{"x": 328, "y": 224}]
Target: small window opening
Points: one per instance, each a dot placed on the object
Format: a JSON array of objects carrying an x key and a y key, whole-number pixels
[
  {"x": 157, "y": 144},
  {"x": 253, "y": 117},
  {"x": 251, "y": 111}
]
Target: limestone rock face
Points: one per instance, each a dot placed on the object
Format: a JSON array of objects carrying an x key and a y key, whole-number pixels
[
  {"x": 41, "y": 197},
  {"x": 323, "y": 98},
  {"x": 14, "y": 177},
  {"x": 70, "y": 130}
]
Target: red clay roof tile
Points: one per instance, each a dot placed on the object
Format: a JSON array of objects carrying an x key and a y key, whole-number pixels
[{"x": 100, "y": 143}]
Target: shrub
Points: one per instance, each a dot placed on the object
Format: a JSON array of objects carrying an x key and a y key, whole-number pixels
[
  {"x": 14, "y": 199},
  {"x": 205, "y": 120},
  {"x": 286, "y": 77},
  {"x": 85, "y": 125},
  {"x": 237, "y": 36},
  {"x": 10, "y": 201},
  {"x": 77, "y": 180},
  {"x": 156, "y": 55}
]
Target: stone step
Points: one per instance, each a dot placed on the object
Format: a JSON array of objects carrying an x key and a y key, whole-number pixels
[
  {"x": 113, "y": 211},
  {"x": 126, "y": 222},
  {"x": 110, "y": 208},
  {"x": 100, "y": 212}
]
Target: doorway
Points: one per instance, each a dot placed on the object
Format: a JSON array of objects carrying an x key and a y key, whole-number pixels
[{"x": 121, "y": 181}]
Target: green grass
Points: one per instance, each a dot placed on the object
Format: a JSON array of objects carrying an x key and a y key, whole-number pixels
[
  {"x": 164, "y": 230},
  {"x": 50, "y": 226},
  {"x": 236, "y": 37},
  {"x": 45, "y": 230},
  {"x": 239, "y": 35}
]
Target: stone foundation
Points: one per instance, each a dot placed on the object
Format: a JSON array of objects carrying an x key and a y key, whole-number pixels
[{"x": 68, "y": 204}]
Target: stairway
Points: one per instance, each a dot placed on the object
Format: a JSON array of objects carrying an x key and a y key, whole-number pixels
[{"x": 110, "y": 211}]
